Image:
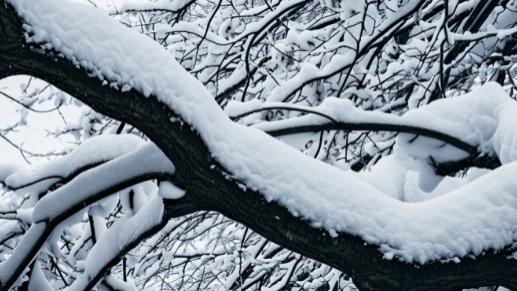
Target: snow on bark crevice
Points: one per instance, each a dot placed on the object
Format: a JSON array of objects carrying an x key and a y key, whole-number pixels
[{"x": 470, "y": 220}]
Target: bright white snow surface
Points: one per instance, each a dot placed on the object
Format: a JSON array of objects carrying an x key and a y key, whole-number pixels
[
  {"x": 118, "y": 237},
  {"x": 474, "y": 218},
  {"x": 145, "y": 159},
  {"x": 96, "y": 150}
]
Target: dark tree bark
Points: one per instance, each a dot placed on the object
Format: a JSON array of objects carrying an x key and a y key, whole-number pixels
[{"x": 209, "y": 189}]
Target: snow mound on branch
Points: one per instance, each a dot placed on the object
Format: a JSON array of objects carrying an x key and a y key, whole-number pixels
[
  {"x": 92, "y": 151},
  {"x": 470, "y": 220},
  {"x": 143, "y": 160},
  {"x": 38, "y": 281},
  {"x": 8, "y": 169},
  {"x": 484, "y": 118}
]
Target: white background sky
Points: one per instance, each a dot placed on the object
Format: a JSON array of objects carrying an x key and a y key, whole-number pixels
[
  {"x": 34, "y": 137},
  {"x": 8, "y": 154}
]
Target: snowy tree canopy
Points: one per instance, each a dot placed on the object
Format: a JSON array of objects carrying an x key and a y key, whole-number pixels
[{"x": 262, "y": 145}]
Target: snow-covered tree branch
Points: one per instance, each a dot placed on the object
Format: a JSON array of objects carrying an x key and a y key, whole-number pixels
[{"x": 411, "y": 106}]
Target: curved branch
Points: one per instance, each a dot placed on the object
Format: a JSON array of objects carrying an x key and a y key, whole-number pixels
[{"x": 208, "y": 184}]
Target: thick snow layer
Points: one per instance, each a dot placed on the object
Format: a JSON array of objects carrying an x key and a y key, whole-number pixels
[
  {"x": 170, "y": 191},
  {"x": 7, "y": 170},
  {"x": 470, "y": 220},
  {"x": 398, "y": 176},
  {"x": 38, "y": 281},
  {"x": 481, "y": 119},
  {"x": 144, "y": 160},
  {"x": 22, "y": 248},
  {"x": 484, "y": 117},
  {"x": 95, "y": 150}
]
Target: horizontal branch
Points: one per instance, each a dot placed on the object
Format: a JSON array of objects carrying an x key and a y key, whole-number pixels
[
  {"x": 475, "y": 159},
  {"x": 368, "y": 121},
  {"x": 333, "y": 124}
]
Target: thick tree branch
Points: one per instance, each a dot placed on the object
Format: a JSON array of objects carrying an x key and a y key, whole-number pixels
[{"x": 210, "y": 188}]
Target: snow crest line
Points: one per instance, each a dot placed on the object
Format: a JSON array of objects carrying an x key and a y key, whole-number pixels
[{"x": 470, "y": 220}]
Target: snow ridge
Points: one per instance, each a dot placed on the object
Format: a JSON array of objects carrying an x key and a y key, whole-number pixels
[{"x": 470, "y": 220}]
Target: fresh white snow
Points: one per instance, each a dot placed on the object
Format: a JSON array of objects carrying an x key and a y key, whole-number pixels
[
  {"x": 472, "y": 219},
  {"x": 38, "y": 281},
  {"x": 94, "y": 150},
  {"x": 145, "y": 159},
  {"x": 170, "y": 191},
  {"x": 119, "y": 236}
]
